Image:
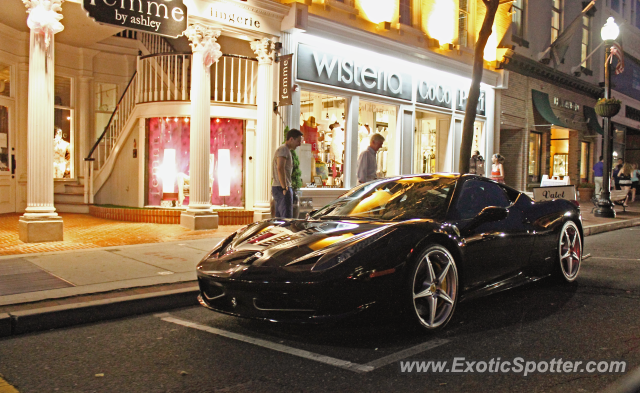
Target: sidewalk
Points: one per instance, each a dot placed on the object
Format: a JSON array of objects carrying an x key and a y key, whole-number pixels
[{"x": 107, "y": 269}]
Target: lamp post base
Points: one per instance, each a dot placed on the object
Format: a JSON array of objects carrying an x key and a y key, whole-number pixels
[{"x": 604, "y": 209}]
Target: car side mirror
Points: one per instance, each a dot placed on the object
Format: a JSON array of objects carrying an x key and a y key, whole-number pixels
[{"x": 492, "y": 214}]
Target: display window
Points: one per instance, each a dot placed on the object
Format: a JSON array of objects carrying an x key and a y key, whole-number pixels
[
  {"x": 5, "y": 80},
  {"x": 322, "y": 157},
  {"x": 4, "y": 139},
  {"x": 168, "y": 162},
  {"x": 63, "y": 129},
  {"x": 379, "y": 118},
  {"x": 585, "y": 149},
  {"x": 535, "y": 156},
  {"x": 559, "y": 152}
]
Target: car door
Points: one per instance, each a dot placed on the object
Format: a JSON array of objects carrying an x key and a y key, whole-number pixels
[{"x": 492, "y": 249}]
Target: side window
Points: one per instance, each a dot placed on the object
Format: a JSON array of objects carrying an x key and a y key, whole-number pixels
[{"x": 476, "y": 195}]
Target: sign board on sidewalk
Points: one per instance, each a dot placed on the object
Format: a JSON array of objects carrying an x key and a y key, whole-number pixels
[
  {"x": 286, "y": 64},
  {"x": 554, "y": 192},
  {"x": 162, "y": 17}
]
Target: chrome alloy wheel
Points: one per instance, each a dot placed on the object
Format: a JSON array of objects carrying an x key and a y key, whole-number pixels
[
  {"x": 435, "y": 287},
  {"x": 570, "y": 251}
]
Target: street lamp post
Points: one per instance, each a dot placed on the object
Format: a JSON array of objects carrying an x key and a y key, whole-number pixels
[{"x": 609, "y": 33}]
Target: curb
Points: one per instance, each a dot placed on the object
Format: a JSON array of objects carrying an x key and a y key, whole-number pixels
[
  {"x": 28, "y": 321},
  {"x": 612, "y": 226},
  {"x": 5, "y": 325}
]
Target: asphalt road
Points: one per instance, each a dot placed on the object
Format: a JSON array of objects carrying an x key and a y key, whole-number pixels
[{"x": 195, "y": 350}]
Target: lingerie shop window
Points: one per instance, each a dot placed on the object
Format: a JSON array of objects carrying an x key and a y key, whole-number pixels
[
  {"x": 321, "y": 156},
  {"x": 169, "y": 181},
  {"x": 381, "y": 119},
  {"x": 63, "y": 129}
]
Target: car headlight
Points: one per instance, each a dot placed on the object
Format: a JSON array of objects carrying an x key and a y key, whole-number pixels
[{"x": 348, "y": 249}]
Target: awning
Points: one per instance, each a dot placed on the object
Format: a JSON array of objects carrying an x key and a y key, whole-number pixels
[
  {"x": 541, "y": 103},
  {"x": 593, "y": 123}
]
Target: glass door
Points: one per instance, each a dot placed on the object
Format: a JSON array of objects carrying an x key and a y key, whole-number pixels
[{"x": 7, "y": 158}]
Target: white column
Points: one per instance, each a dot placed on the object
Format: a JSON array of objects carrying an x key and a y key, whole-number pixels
[
  {"x": 40, "y": 222},
  {"x": 206, "y": 51},
  {"x": 265, "y": 137},
  {"x": 85, "y": 133}
]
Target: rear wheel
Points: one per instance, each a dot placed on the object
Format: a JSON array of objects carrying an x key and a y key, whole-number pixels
[
  {"x": 433, "y": 284},
  {"x": 569, "y": 252}
]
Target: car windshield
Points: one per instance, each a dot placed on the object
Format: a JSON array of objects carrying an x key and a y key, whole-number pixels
[{"x": 393, "y": 199}]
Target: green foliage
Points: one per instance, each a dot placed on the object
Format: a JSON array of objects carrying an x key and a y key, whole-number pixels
[
  {"x": 296, "y": 174},
  {"x": 603, "y": 101}
]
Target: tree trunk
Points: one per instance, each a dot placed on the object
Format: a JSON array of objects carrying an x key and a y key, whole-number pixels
[{"x": 474, "y": 90}]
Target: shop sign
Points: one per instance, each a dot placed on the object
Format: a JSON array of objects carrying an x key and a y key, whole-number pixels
[
  {"x": 461, "y": 101},
  {"x": 162, "y": 17},
  {"x": 562, "y": 103},
  {"x": 235, "y": 18},
  {"x": 318, "y": 66},
  {"x": 286, "y": 63},
  {"x": 554, "y": 192},
  {"x": 436, "y": 94},
  {"x": 237, "y": 15}
]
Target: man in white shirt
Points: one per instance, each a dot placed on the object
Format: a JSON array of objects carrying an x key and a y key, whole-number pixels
[
  {"x": 281, "y": 169},
  {"x": 367, "y": 161}
]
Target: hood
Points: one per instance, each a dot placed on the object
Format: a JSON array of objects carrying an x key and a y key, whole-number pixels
[{"x": 278, "y": 243}]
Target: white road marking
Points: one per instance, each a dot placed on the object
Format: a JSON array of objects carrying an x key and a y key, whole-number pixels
[
  {"x": 618, "y": 259},
  {"x": 347, "y": 365},
  {"x": 394, "y": 357}
]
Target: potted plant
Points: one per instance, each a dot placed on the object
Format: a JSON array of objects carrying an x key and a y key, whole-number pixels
[
  {"x": 586, "y": 191},
  {"x": 607, "y": 107}
]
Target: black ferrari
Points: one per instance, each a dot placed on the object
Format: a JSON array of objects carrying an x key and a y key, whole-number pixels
[{"x": 419, "y": 243}]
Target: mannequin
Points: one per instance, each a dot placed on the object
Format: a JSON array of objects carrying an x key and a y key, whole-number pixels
[{"x": 61, "y": 156}]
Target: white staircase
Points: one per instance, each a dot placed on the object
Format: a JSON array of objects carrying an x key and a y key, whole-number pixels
[{"x": 71, "y": 200}]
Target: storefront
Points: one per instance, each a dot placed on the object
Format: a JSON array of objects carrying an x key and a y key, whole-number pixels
[
  {"x": 548, "y": 125},
  {"x": 348, "y": 93}
]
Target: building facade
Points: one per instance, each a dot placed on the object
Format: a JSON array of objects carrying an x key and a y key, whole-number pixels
[
  {"x": 548, "y": 125},
  {"x": 124, "y": 100}
]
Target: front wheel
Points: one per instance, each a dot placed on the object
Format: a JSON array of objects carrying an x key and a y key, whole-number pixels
[
  {"x": 569, "y": 252},
  {"x": 433, "y": 284}
]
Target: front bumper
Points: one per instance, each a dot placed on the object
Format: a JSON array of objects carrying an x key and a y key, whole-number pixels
[{"x": 312, "y": 302}]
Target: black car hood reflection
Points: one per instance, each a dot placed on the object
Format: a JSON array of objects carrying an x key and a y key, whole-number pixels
[{"x": 280, "y": 243}]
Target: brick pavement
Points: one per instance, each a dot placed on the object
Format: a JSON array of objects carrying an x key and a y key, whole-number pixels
[{"x": 82, "y": 231}]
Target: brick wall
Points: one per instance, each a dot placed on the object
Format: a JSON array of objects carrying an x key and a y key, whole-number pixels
[
  {"x": 517, "y": 119},
  {"x": 159, "y": 216}
]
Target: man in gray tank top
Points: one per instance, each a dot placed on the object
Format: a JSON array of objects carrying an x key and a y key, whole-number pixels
[{"x": 282, "y": 167}]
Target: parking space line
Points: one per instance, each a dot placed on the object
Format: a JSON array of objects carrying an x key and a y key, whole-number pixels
[
  {"x": 6, "y": 388},
  {"x": 618, "y": 259},
  {"x": 344, "y": 364},
  {"x": 394, "y": 357}
]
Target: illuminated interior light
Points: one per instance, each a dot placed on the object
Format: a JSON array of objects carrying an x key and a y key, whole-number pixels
[
  {"x": 379, "y": 10},
  {"x": 168, "y": 170},
  {"x": 68, "y": 117},
  {"x": 224, "y": 172},
  {"x": 186, "y": 119},
  {"x": 442, "y": 20}
]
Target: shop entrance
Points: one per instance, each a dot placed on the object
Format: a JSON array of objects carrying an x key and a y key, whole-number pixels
[
  {"x": 559, "y": 152},
  {"x": 7, "y": 158},
  {"x": 430, "y": 141}
]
